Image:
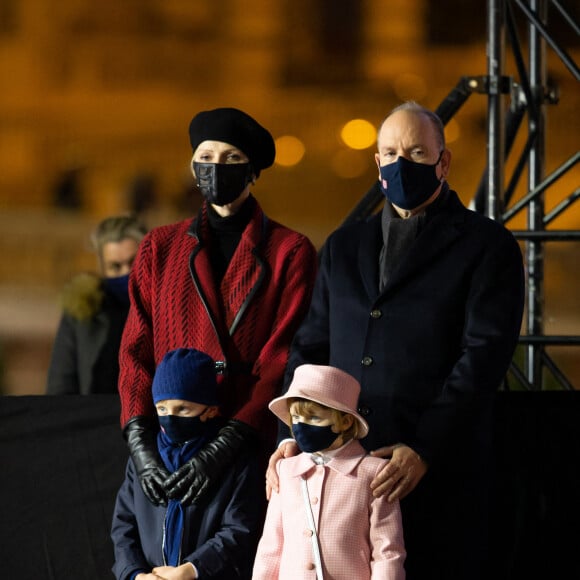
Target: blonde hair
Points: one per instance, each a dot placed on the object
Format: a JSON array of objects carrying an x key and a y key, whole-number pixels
[{"x": 307, "y": 408}]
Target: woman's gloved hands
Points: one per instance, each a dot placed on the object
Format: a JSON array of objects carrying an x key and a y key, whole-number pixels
[
  {"x": 141, "y": 436},
  {"x": 193, "y": 479}
]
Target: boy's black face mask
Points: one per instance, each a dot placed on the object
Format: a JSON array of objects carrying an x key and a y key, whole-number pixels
[
  {"x": 222, "y": 183},
  {"x": 182, "y": 429}
]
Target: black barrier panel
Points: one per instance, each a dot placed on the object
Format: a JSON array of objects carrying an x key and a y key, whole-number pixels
[
  {"x": 63, "y": 459},
  {"x": 536, "y": 518}
]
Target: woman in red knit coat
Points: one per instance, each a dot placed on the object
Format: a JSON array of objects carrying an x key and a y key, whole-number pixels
[{"x": 231, "y": 283}]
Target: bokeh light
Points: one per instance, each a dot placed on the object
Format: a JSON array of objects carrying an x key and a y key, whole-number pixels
[
  {"x": 359, "y": 134},
  {"x": 289, "y": 150},
  {"x": 349, "y": 164}
]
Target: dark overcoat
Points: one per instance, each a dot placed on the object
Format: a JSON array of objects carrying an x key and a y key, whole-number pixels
[
  {"x": 84, "y": 357},
  {"x": 220, "y": 533},
  {"x": 430, "y": 351}
]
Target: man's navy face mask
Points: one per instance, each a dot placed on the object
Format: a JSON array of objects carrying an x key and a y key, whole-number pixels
[
  {"x": 408, "y": 184},
  {"x": 311, "y": 438},
  {"x": 222, "y": 183}
]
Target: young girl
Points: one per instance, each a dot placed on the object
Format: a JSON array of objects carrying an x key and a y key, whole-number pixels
[{"x": 325, "y": 518}]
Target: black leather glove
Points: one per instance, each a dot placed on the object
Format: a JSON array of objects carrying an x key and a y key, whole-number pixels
[
  {"x": 141, "y": 434},
  {"x": 193, "y": 479}
]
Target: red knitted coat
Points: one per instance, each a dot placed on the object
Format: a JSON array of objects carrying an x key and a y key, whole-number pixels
[{"x": 248, "y": 322}]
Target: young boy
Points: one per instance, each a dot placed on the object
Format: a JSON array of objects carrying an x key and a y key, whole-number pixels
[
  {"x": 213, "y": 539},
  {"x": 325, "y": 517}
]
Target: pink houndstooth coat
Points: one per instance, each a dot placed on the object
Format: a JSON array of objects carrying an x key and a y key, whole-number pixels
[{"x": 360, "y": 537}]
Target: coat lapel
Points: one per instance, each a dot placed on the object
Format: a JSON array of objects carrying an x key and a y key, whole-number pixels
[
  {"x": 439, "y": 232},
  {"x": 243, "y": 278},
  {"x": 344, "y": 462},
  {"x": 371, "y": 242},
  {"x": 245, "y": 273},
  {"x": 202, "y": 274}
]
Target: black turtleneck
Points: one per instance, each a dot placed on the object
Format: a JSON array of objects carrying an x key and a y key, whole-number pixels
[{"x": 226, "y": 233}]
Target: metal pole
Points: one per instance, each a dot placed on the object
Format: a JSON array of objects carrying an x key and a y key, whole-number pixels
[
  {"x": 495, "y": 132},
  {"x": 536, "y": 168}
]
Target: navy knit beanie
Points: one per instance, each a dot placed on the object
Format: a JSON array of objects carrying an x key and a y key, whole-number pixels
[
  {"x": 186, "y": 374},
  {"x": 238, "y": 129}
]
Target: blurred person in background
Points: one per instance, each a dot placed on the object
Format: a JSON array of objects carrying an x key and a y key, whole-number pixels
[{"x": 95, "y": 306}]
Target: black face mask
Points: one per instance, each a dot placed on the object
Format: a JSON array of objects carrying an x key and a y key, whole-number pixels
[
  {"x": 408, "y": 184},
  {"x": 222, "y": 183},
  {"x": 182, "y": 429},
  {"x": 311, "y": 438}
]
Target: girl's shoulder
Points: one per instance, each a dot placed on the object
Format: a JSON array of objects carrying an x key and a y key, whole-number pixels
[{"x": 369, "y": 466}]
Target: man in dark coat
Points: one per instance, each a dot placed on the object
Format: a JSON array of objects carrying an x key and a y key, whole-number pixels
[{"x": 422, "y": 303}]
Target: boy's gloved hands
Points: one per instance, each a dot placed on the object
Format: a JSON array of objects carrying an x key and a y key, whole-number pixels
[
  {"x": 190, "y": 482},
  {"x": 141, "y": 439}
]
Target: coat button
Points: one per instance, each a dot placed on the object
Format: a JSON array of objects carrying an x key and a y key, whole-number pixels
[
  {"x": 367, "y": 361},
  {"x": 308, "y": 533},
  {"x": 376, "y": 313},
  {"x": 310, "y": 566},
  {"x": 314, "y": 500}
]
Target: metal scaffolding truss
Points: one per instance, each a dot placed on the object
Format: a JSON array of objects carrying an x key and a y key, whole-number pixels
[
  {"x": 529, "y": 96},
  {"x": 510, "y": 102}
]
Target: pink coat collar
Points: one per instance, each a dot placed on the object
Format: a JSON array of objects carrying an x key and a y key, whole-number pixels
[{"x": 345, "y": 461}]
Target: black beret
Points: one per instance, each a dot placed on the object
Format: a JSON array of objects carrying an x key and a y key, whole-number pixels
[{"x": 236, "y": 128}]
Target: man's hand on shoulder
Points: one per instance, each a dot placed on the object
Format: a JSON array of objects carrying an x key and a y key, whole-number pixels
[{"x": 401, "y": 474}]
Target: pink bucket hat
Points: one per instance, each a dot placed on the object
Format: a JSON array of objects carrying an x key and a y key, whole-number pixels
[{"x": 325, "y": 385}]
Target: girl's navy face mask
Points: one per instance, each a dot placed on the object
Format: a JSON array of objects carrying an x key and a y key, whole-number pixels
[{"x": 311, "y": 438}]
